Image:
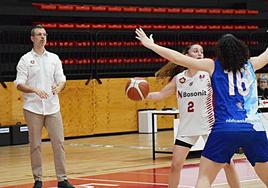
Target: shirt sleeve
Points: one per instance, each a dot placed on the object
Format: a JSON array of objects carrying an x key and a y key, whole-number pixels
[
  {"x": 59, "y": 75},
  {"x": 22, "y": 73}
]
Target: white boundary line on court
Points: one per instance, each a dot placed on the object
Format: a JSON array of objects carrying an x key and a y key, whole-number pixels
[
  {"x": 149, "y": 183},
  {"x": 241, "y": 181},
  {"x": 91, "y": 185},
  {"x": 119, "y": 181},
  {"x": 131, "y": 182}
]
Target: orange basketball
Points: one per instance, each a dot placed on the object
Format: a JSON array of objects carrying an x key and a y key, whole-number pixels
[{"x": 137, "y": 89}]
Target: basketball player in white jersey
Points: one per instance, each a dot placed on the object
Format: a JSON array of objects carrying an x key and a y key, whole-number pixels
[{"x": 194, "y": 97}]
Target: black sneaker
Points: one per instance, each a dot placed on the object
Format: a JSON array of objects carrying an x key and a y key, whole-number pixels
[
  {"x": 37, "y": 184},
  {"x": 65, "y": 184}
]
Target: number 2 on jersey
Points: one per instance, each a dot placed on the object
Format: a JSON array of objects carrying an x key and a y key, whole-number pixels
[{"x": 190, "y": 106}]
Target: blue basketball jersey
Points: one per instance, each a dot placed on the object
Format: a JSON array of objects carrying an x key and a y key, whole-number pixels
[{"x": 235, "y": 100}]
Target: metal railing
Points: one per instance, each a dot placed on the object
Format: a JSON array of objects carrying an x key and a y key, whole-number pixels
[{"x": 89, "y": 54}]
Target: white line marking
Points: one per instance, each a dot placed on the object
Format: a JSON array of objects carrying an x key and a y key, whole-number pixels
[
  {"x": 86, "y": 186},
  {"x": 147, "y": 183},
  {"x": 90, "y": 185},
  {"x": 241, "y": 181},
  {"x": 119, "y": 181}
]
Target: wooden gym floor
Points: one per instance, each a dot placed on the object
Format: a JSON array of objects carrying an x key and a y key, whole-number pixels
[{"x": 112, "y": 161}]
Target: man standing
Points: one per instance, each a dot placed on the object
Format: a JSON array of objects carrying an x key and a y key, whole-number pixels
[{"x": 40, "y": 77}]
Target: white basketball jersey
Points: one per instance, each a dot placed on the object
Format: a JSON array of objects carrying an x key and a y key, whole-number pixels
[{"x": 194, "y": 97}]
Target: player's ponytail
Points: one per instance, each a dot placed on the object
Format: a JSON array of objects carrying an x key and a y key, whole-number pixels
[{"x": 170, "y": 69}]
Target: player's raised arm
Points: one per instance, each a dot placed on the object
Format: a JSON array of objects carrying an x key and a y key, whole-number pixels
[
  {"x": 260, "y": 61},
  {"x": 174, "y": 56}
]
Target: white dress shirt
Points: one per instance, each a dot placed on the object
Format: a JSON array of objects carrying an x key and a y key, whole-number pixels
[{"x": 41, "y": 72}]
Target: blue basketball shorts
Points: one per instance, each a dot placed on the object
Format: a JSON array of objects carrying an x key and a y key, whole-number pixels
[{"x": 221, "y": 146}]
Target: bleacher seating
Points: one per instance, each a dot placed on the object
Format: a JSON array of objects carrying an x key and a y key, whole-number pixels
[
  {"x": 143, "y": 9},
  {"x": 98, "y": 37}
]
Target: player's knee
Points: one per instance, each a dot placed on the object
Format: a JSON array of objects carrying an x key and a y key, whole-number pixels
[{"x": 176, "y": 165}]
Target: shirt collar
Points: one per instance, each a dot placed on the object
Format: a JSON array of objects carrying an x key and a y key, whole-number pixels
[{"x": 35, "y": 54}]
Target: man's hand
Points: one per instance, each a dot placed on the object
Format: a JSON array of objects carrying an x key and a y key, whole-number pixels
[
  {"x": 56, "y": 89},
  {"x": 41, "y": 94},
  {"x": 28, "y": 89},
  {"x": 147, "y": 42}
]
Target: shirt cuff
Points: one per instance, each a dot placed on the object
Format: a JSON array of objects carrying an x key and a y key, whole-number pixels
[
  {"x": 17, "y": 82},
  {"x": 61, "y": 79}
]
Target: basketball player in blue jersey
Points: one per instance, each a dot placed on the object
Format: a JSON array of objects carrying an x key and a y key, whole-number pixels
[
  {"x": 237, "y": 122},
  {"x": 194, "y": 97}
]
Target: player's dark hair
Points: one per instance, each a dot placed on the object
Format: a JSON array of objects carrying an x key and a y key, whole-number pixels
[{"x": 232, "y": 52}]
